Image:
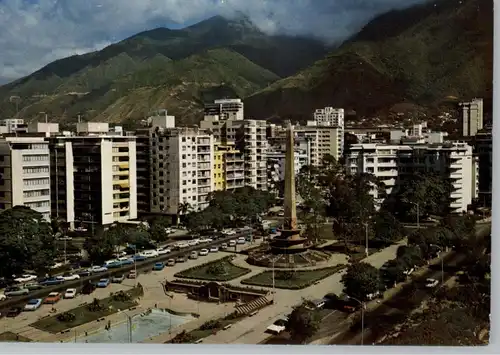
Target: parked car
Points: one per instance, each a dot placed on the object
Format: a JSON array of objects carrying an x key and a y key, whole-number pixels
[
  {"x": 214, "y": 249},
  {"x": 168, "y": 230},
  {"x": 84, "y": 273},
  {"x": 52, "y": 298},
  {"x": 14, "y": 312},
  {"x": 163, "y": 251},
  {"x": 193, "y": 255},
  {"x": 132, "y": 274},
  {"x": 96, "y": 269},
  {"x": 70, "y": 293},
  {"x": 33, "y": 286},
  {"x": 2, "y": 297},
  {"x": 33, "y": 304},
  {"x": 158, "y": 266},
  {"x": 374, "y": 295},
  {"x": 204, "y": 252},
  {"x": 182, "y": 245},
  {"x": 16, "y": 291},
  {"x": 52, "y": 281},
  {"x": 223, "y": 246},
  {"x": 126, "y": 260},
  {"x": 277, "y": 327},
  {"x": 232, "y": 243},
  {"x": 228, "y": 232},
  {"x": 193, "y": 243},
  {"x": 170, "y": 262},
  {"x": 25, "y": 278},
  {"x": 241, "y": 240},
  {"x": 430, "y": 283},
  {"x": 118, "y": 279},
  {"x": 103, "y": 283},
  {"x": 149, "y": 254},
  {"x": 70, "y": 277},
  {"x": 139, "y": 257},
  {"x": 181, "y": 259}
]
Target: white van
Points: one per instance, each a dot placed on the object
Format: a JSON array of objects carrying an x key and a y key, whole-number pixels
[{"x": 232, "y": 243}]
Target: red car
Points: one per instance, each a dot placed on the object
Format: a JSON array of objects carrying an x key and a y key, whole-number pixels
[{"x": 52, "y": 298}]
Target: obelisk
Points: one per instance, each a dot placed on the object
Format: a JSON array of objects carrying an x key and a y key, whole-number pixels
[{"x": 290, "y": 208}]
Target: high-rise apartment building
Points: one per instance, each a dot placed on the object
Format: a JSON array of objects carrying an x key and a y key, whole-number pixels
[
  {"x": 25, "y": 173},
  {"x": 226, "y": 109},
  {"x": 321, "y": 141},
  {"x": 13, "y": 125},
  {"x": 229, "y": 167},
  {"x": 276, "y": 160},
  {"x": 93, "y": 177},
  {"x": 483, "y": 148},
  {"x": 248, "y": 137},
  {"x": 392, "y": 163},
  {"x": 182, "y": 162},
  {"x": 472, "y": 117},
  {"x": 143, "y": 168}
]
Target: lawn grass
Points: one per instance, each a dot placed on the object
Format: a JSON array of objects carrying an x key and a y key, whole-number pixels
[
  {"x": 292, "y": 280},
  {"x": 201, "y": 272},
  {"x": 84, "y": 315},
  {"x": 9, "y": 336}
]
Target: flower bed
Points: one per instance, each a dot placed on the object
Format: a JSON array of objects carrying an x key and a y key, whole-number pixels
[
  {"x": 217, "y": 270},
  {"x": 292, "y": 280}
]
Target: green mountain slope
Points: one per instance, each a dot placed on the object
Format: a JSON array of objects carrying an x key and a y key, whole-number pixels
[
  {"x": 161, "y": 68},
  {"x": 418, "y": 55}
]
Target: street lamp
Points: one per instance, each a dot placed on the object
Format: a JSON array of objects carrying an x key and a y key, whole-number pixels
[
  {"x": 362, "y": 304},
  {"x": 273, "y": 261},
  {"x": 366, "y": 238},
  {"x": 129, "y": 326}
]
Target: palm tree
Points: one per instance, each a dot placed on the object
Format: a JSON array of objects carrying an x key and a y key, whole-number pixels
[{"x": 183, "y": 209}]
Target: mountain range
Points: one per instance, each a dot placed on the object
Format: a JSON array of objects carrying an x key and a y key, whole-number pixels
[{"x": 419, "y": 55}]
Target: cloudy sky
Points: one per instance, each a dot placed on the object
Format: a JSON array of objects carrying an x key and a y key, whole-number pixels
[{"x": 36, "y": 32}]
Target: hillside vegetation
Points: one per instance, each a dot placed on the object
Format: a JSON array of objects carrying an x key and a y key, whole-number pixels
[{"x": 419, "y": 55}]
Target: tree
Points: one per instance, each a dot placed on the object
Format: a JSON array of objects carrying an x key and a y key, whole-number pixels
[
  {"x": 442, "y": 236},
  {"x": 423, "y": 238},
  {"x": 462, "y": 226},
  {"x": 217, "y": 269},
  {"x": 302, "y": 323},
  {"x": 157, "y": 229},
  {"x": 409, "y": 256},
  {"x": 431, "y": 192},
  {"x": 393, "y": 271},
  {"x": 360, "y": 280},
  {"x": 101, "y": 246},
  {"x": 387, "y": 229},
  {"x": 26, "y": 241}
]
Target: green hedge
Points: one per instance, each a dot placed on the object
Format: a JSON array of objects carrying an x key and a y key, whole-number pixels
[
  {"x": 200, "y": 272},
  {"x": 292, "y": 279}
]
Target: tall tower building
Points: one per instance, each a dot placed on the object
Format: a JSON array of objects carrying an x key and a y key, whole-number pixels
[{"x": 472, "y": 117}]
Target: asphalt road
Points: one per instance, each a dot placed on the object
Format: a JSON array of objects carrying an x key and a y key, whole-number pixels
[
  {"x": 395, "y": 310},
  {"x": 18, "y": 301}
]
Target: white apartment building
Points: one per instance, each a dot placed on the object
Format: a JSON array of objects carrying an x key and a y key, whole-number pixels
[
  {"x": 25, "y": 173},
  {"x": 392, "y": 163},
  {"x": 94, "y": 178},
  {"x": 226, "y": 109},
  {"x": 13, "y": 125},
  {"x": 248, "y": 136},
  {"x": 276, "y": 160},
  {"x": 182, "y": 162},
  {"x": 320, "y": 141},
  {"x": 329, "y": 116},
  {"x": 472, "y": 117}
]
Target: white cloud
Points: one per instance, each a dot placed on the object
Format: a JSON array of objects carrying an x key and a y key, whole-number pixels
[{"x": 37, "y": 32}]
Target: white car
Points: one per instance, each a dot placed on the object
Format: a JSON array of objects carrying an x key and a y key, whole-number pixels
[
  {"x": 2, "y": 297},
  {"x": 228, "y": 232},
  {"x": 71, "y": 277},
  {"x": 193, "y": 243},
  {"x": 98, "y": 268},
  {"x": 149, "y": 253},
  {"x": 214, "y": 249},
  {"x": 232, "y": 243},
  {"x": 25, "y": 278},
  {"x": 223, "y": 246},
  {"x": 168, "y": 230},
  {"x": 163, "y": 251},
  {"x": 430, "y": 283},
  {"x": 183, "y": 245},
  {"x": 277, "y": 327},
  {"x": 203, "y": 252},
  {"x": 70, "y": 293},
  {"x": 241, "y": 240}
]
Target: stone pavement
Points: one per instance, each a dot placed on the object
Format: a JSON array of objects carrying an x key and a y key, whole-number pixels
[{"x": 251, "y": 330}]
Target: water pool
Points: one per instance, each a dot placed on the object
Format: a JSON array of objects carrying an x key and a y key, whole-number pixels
[{"x": 144, "y": 325}]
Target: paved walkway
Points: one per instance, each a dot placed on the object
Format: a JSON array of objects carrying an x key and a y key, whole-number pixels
[{"x": 251, "y": 330}]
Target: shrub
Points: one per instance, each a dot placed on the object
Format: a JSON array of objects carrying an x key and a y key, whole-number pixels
[
  {"x": 66, "y": 317},
  {"x": 183, "y": 338},
  {"x": 95, "y": 306},
  {"x": 121, "y": 296},
  {"x": 211, "y": 324}
]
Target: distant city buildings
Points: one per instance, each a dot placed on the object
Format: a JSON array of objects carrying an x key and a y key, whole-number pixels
[{"x": 100, "y": 175}]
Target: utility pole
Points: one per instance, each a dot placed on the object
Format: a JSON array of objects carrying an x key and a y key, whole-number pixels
[
  {"x": 65, "y": 242},
  {"x": 366, "y": 239},
  {"x": 273, "y": 280}
]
